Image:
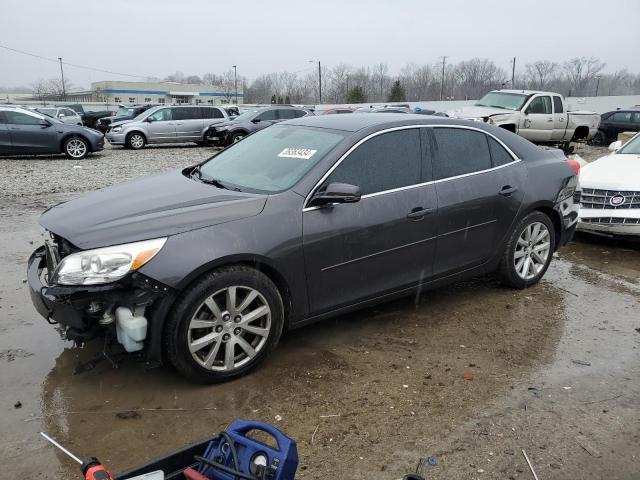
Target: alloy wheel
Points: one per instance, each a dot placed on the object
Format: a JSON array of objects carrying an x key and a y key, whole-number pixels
[
  {"x": 76, "y": 148},
  {"x": 237, "y": 138},
  {"x": 532, "y": 250},
  {"x": 229, "y": 328}
]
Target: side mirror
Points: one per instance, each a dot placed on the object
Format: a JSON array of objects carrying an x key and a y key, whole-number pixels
[
  {"x": 255, "y": 120},
  {"x": 149, "y": 119},
  {"x": 44, "y": 123},
  {"x": 615, "y": 146},
  {"x": 61, "y": 115},
  {"x": 336, "y": 193},
  {"x": 526, "y": 111}
]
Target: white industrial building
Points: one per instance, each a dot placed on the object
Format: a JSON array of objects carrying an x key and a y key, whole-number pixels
[{"x": 162, "y": 92}]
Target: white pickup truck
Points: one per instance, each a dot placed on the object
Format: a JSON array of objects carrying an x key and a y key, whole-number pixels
[{"x": 541, "y": 117}]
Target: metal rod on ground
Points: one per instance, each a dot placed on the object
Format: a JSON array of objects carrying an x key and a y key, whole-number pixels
[
  {"x": 530, "y": 466},
  {"x": 61, "y": 447}
]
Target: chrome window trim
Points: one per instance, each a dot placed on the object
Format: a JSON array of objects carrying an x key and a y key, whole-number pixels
[{"x": 407, "y": 187}]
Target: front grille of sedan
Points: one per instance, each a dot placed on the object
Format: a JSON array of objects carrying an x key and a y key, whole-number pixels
[
  {"x": 611, "y": 221},
  {"x": 596, "y": 198}
]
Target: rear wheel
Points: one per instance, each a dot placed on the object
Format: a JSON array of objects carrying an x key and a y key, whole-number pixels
[
  {"x": 136, "y": 140},
  {"x": 76, "y": 148},
  {"x": 236, "y": 137},
  {"x": 599, "y": 138},
  {"x": 528, "y": 252},
  {"x": 224, "y": 325}
]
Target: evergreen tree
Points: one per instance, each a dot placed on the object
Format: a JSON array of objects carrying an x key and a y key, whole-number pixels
[
  {"x": 280, "y": 101},
  {"x": 287, "y": 100},
  {"x": 397, "y": 92},
  {"x": 273, "y": 99},
  {"x": 357, "y": 95}
]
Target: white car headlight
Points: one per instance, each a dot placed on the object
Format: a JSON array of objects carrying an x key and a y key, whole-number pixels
[
  {"x": 105, "y": 265},
  {"x": 116, "y": 129}
]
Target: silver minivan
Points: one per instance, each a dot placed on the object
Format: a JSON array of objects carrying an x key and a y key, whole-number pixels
[{"x": 166, "y": 124}]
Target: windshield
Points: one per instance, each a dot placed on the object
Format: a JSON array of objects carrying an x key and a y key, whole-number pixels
[
  {"x": 271, "y": 160},
  {"x": 245, "y": 115},
  {"x": 508, "y": 101},
  {"x": 632, "y": 147},
  {"x": 124, "y": 112}
]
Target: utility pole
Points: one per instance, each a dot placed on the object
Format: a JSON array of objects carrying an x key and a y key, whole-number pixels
[
  {"x": 347, "y": 99},
  {"x": 513, "y": 74},
  {"x": 597, "y": 84},
  {"x": 64, "y": 92},
  {"x": 235, "y": 81},
  {"x": 444, "y": 59},
  {"x": 319, "y": 81}
]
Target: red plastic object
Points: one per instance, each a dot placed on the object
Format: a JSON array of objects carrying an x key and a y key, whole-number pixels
[
  {"x": 575, "y": 165},
  {"x": 191, "y": 474},
  {"x": 467, "y": 376}
]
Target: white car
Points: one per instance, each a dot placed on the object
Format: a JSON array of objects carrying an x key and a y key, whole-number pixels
[
  {"x": 610, "y": 191},
  {"x": 65, "y": 115}
]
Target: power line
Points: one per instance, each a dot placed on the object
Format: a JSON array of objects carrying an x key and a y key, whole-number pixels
[{"x": 85, "y": 67}]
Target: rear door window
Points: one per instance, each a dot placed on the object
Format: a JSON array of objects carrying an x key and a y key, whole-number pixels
[
  {"x": 2, "y": 119},
  {"x": 268, "y": 115},
  {"x": 557, "y": 105},
  {"x": 621, "y": 117},
  {"x": 384, "y": 162},
  {"x": 460, "y": 151},
  {"x": 286, "y": 114},
  {"x": 185, "y": 113}
]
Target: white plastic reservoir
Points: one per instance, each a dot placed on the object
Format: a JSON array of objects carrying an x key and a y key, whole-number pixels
[{"x": 130, "y": 329}]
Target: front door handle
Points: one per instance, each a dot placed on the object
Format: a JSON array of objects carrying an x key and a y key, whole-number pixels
[
  {"x": 418, "y": 213},
  {"x": 507, "y": 190}
]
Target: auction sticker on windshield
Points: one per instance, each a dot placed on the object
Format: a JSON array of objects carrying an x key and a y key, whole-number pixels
[{"x": 303, "y": 153}]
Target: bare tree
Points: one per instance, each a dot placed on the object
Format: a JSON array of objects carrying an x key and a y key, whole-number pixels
[
  {"x": 476, "y": 76},
  {"x": 193, "y": 79},
  {"x": 175, "y": 77},
  {"x": 581, "y": 72},
  {"x": 540, "y": 74}
]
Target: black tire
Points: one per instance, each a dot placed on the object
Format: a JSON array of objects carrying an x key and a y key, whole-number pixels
[
  {"x": 507, "y": 273},
  {"x": 136, "y": 140},
  {"x": 176, "y": 331},
  {"x": 76, "y": 148},
  {"x": 599, "y": 139},
  {"x": 236, "y": 137}
]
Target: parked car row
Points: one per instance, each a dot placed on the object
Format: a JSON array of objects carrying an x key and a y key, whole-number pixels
[
  {"x": 187, "y": 267},
  {"x": 64, "y": 114},
  {"x": 613, "y": 123}
]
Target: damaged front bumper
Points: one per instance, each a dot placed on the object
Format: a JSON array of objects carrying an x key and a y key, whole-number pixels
[{"x": 87, "y": 311}]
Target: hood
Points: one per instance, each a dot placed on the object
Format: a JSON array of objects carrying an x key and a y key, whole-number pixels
[
  {"x": 477, "y": 112},
  {"x": 120, "y": 122},
  {"x": 149, "y": 207},
  {"x": 613, "y": 172}
]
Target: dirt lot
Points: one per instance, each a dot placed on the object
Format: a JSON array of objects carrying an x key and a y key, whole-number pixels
[{"x": 555, "y": 368}]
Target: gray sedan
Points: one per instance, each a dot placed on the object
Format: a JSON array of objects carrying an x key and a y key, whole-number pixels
[
  {"x": 307, "y": 219},
  {"x": 25, "y": 132}
]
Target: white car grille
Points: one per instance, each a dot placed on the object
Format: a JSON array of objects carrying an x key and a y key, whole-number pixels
[
  {"x": 611, "y": 221},
  {"x": 609, "y": 199}
]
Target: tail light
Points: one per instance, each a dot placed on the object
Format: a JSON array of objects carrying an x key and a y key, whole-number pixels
[{"x": 574, "y": 164}]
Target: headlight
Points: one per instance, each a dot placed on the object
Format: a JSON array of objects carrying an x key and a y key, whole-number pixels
[
  {"x": 105, "y": 265},
  {"x": 116, "y": 129}
]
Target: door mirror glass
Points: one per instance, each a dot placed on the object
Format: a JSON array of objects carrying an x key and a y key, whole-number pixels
[
  {"x": 615, "y": 146},
  {"x": 61, "y": 115},
  {"x": 149, "y": 119},
  {"x": 336, "y": 193},
  {"x": 256, "y": 120}
]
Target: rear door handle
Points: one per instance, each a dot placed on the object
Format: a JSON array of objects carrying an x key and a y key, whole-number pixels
[
  {"x": 507, "y": 190},
  {"x": 418, "y": 213}
]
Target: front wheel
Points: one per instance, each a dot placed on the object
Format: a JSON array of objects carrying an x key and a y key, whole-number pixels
[
  {"x": 76, "y": 148},
  {"x": 599, "y": 138},
  {"x": 224, "y": 325},
  {"x": 135, "y": 140},
  {"x": 528, "y": 252},
  {"x": 236, "y": 137}
]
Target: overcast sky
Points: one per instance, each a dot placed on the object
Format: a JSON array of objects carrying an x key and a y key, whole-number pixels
[{"x": 158, "y": 37}]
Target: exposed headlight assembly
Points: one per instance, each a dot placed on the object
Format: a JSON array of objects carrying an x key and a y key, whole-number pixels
[
  {"x": 105, "y": 265},
  {"x": 116, "y": 129}
]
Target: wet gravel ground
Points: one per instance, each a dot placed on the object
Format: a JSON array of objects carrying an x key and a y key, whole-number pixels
[{"x": 555, "y": 369}]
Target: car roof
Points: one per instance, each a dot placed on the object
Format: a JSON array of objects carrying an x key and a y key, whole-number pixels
[{"x": 358, "y": 121}]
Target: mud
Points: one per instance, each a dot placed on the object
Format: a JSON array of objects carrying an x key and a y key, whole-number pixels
[{"x": 365, "y": 395}]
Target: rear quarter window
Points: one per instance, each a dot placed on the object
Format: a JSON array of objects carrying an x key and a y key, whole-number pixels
[{"x": 499, "y": 155}]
